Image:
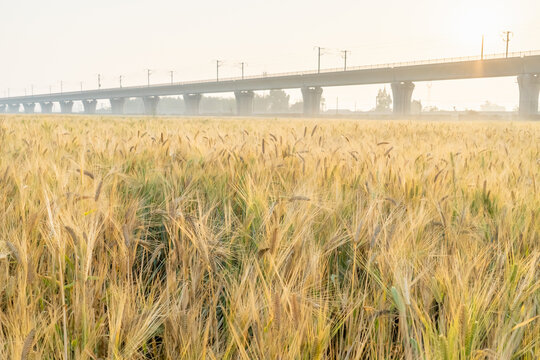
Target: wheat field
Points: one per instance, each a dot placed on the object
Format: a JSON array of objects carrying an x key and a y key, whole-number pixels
[{"x": 209, "y": 238}]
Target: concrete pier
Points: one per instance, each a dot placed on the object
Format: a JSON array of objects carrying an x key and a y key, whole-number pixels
[
  {"x": 244, "y": 102},
  {"x": 401, "y": 97},
  {"x": 29, "y": 108},
  {"x": 191, "y": 103},
  {"x": 46, "y": 107},
  {"x": 117, "y": 105},
  {"x": 150, "y": 105},
  {"x": 13, "y": 108},
  {"x": 312, "y": 100},
  {"x": 66, "y": 107},
  {"x": 89, "y": 106},
  {"x": 529, "y": 88}
]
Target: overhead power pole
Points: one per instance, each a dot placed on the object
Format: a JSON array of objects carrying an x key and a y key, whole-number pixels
[
  {"x": 320, "y": 52},
  {"x": 242, "y": 70},
  {"x": 148, "y": 72},
  {"x": 172, "y": 76},
  {"x": 120, "y": 80},
  {"x": 99, "y": 81},
  {"x": 507, "y": 35},
  {"x": 319, "y": 60},
  {"x": 345, "y": 59},
  {"x": 482, "y": 51},
  {"x": 218, "y": 63}
]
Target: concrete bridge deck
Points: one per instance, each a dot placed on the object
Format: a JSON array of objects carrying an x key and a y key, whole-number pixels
[{"x": 526, "y": 66}]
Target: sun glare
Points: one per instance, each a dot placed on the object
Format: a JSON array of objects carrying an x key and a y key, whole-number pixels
[{"x": 481, "y": 18}]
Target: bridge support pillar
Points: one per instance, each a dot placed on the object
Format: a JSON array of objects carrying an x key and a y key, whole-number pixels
[
  {"x": 401, "y": 96},
  {"x": 29, "y": 108},
  {"x": 89, "y": 106},
  {"x": 244, "y": 102},
  {"x": 192, "y": 102},
  {"x": 117, "y": 105},
  {"x": 150, "y": 105},
  {"x": 529, "y": 88},
  {"x": 312, "y": 100},
  {"x": 13, "y": 108},
  {"x": 66, "y": 107},
  {"x": 46, "y": 107}
]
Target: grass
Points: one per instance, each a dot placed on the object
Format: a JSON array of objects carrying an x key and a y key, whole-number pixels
[{"x": 131, "y": 238}]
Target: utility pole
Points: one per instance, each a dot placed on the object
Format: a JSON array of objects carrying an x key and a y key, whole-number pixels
[
  {"x": 50, "y": 89},
  {"x": 81, "y": 86},
  {"x": 32, "y": 87},
  {"x": 345, "y": 59},
  {"x": 506, "y": 36},
  {"x": 319, "y": 60},
  {"x": 148, "y": 75},
  {"x": 61, "y": 86},
  {"x": 242, "y": 70},
  {"x": 99, "y": 81},
  {"x": 120, "y": 78},
  {"x": 319, "y": 54},
  {"x": 172, "y": 76},
  {"x": 218, "y": 63},
  {"x": 482, "y": 52}
]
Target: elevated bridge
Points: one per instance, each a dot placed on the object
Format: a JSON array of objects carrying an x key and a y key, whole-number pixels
[{"x": 402, "y": 76}]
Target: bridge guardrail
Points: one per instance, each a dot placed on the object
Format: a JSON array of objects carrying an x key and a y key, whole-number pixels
[{"x": 362, "y": 67}]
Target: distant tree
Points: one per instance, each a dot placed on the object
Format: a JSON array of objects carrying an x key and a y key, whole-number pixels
[
  {"x": 384, "y": 101},
  {"x": 416, "y": 107},
  {"x": 431, "y": 109},
  {"x": 279, "y": 101},
  {"x": 297, "y": 107},
  {"x": 261, "y": 104},
  {"x": 171, "y": 105},
  {"x": 217, "y": 105},
  {"x": 134, "y": 106}
]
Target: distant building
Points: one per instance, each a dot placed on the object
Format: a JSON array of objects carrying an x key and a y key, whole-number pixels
[
  {"x": 338, "y": 111},
  {"x": 488, "y": 106}
]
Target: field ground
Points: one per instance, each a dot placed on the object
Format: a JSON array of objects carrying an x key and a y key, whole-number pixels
[{"x": 134, "y": 238}]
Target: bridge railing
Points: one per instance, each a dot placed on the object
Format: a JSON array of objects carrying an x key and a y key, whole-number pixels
[{"x": 367, "y": 67}]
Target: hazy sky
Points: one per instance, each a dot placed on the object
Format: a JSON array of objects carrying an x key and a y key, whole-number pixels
[{"x": 44, "y": 42}]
